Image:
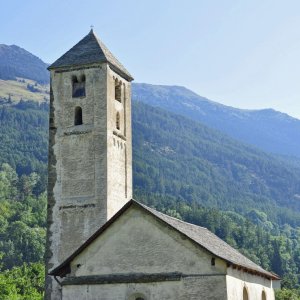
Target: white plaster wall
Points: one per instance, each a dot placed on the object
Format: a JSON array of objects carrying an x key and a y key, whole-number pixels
[
  {"x": 200, "y": 288},
  {"x": 137, "y": 243},
  {"x": 236, "y": 280}
]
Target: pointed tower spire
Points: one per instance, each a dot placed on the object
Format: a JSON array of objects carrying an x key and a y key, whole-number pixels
[{"x": 89, "y": 51}]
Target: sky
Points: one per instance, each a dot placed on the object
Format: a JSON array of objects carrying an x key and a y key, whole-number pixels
[{"x": 242, "y": 53}]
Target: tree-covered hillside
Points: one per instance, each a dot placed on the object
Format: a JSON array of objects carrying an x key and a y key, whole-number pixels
[
  {"x": 23, "y": 221},
  {"x": 179, "y": 157},
  {"x": 172, "y": 156},
  {"x": 183, "y": 168},
  {"x": 24, "y": 138}
]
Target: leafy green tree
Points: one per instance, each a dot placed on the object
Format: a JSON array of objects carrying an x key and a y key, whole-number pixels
[
  {"x": 286, "y": 294},
  {"x": 23, "y": 283}
]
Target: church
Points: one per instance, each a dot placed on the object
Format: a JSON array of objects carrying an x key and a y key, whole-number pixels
[{"x": 102, "y": 244}]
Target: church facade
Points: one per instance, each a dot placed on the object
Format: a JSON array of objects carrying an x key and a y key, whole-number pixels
[{"x": 101, "y": 244}]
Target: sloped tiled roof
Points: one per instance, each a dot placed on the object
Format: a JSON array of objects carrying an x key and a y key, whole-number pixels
[
  {"x": 88, "y": 51},
  {"x": 200, "y": 235}
]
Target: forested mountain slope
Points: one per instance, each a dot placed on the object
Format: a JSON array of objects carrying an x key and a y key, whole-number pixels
[
  {"x": 181, "y": 167},
  {"x": 174, "y": 156},
  {"x": 266, "y": 129},
  {"x": 180, "y": 157}
]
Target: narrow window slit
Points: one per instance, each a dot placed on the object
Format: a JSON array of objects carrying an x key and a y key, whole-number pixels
[
  {"x": 78, "y": 116},
  {"x": 118, "y": 90},
  {"x": 118, "y": 121}
]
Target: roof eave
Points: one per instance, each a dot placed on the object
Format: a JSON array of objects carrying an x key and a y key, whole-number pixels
[
  {"x": 74, "y": 66},
  {"x": 265, "y": 274},
  {"x": 126, "y": 76}
]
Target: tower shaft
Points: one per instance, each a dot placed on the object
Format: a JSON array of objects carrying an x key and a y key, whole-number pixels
[{"x": 90, "y": 152}]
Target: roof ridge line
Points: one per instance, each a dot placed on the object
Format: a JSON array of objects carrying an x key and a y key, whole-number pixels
[{"x": 178, "y": 220}]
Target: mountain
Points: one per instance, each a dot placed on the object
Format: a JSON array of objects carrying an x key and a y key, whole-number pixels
[
  {"x": 266, "y": 129},
  {"x": 181, "y": 158},
  {"x": 189, "y": 159},
  {"x": 182, "y": 166},
  {"x": 24, "y": 138},
  {"x": 24, "y": 75},
  {"x": 173, "y": 156},
  {"x": 17, "y": 62}
]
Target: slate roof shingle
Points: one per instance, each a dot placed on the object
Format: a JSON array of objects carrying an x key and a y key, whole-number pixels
[{"x": 90, "y": 50}]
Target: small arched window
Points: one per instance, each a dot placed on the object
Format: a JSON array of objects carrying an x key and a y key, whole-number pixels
[
  {"x": 118, "y": 90},
  {"x": 78, "y": 86},
  {"x": 118, "y": 120},
  {"x": 78, "y": 116},
  {"x": 245, "y": 294},
  {"x": 263, "y": 295}
]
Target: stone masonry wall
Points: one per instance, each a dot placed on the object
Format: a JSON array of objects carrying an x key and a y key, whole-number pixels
[
  {"x": 192, "y": 288},
  {"x": 86, "y": 170}
]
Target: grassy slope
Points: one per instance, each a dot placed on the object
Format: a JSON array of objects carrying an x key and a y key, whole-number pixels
[{"x": 17, "y": 90}]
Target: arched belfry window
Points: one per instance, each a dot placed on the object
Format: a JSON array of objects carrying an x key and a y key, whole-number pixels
[
  {"x": 78, "y": 116},
  {"x": 78, "y": 86},
  {"x": 263, "y": 295},
  {"x": 118, "y": 120},
  {"x": 118, "y": 90},
  {"x": 245, "y": 294}
]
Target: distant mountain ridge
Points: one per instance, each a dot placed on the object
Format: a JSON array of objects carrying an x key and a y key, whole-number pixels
[
  {"x": 176, "y": 156},
  {"x": 180, "y": 166},
  {"x": 173, "y": 156},
  {"x": 266, "y": 129},
  {"x": 17, "y": 62}
]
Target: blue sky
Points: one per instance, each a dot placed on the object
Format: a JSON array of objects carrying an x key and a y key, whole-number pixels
[{"x": 241, "y": 53}]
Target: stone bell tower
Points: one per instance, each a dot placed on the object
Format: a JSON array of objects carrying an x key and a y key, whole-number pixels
[{"x": 90, "y": 151}]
